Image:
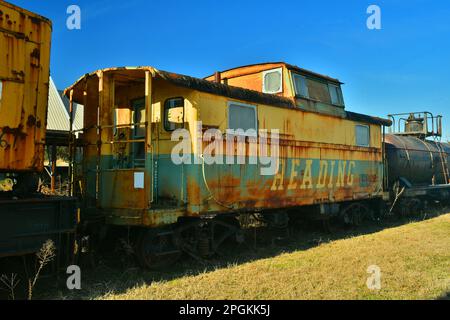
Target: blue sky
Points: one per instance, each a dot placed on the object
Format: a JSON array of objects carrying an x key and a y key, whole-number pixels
[{"x": 403, "y": 67}]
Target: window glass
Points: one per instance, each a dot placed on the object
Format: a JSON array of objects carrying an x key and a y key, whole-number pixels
[
  {"x": 139, "y": 117},
  {"x": 173, "y": 114},
  {"x": 335, "y": 93},
  {"x": 318, "y": 90},
  {"x": 241, "y": 117},
  {"x": 138, "y": 148},
  {"x": 300, "y": 85},
  {"x": 272, "y": 81},
  {"x": 362, "y": 136}
]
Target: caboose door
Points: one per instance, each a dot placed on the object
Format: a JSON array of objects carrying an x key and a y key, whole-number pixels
[{"x": 123, "y": 177}]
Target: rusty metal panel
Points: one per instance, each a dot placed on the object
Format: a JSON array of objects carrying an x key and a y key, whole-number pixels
[
  {"x": 122, "y": 189},
  {"x": 28, "y": 223},
  {"x": 24, "y": 76}
]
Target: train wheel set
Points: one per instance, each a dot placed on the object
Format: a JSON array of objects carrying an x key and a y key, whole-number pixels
[{"x": 204, "y": 238}]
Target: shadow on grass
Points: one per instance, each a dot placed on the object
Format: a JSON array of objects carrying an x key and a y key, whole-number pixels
[
  {"x": 110, "y": 275},
  {"x": 445, "y": 296}
]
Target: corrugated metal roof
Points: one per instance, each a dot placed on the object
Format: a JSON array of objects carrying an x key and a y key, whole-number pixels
[
  {"x": 78, "y": 111},
  {"x": 78, "y": 116},
  {"x": 58, "y": 115}
]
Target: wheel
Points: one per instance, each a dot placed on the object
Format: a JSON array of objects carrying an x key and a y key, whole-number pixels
[
  {"x": 156, "y": 249},
  {"x": 356, "y": 214},
  {"x": 224, "y": 228},
  {"x": 329, "y": 225}
]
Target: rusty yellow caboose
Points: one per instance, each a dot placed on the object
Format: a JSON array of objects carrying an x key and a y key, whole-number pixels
[{"x": 328, "y": 158}]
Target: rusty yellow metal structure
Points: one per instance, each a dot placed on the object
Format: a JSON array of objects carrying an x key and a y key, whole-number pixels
[
  {"x": 25, "y": 39},
  {"x": 127, "y": 174},
  {"x": 27, "y": 219}
]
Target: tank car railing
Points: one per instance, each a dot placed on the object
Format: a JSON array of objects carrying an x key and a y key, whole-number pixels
[{"x": 432, "y": 125}]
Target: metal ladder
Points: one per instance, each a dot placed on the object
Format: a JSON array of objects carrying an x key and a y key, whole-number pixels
[{"x": 444, "y": 161}]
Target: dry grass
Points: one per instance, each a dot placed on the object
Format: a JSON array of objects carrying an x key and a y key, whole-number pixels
[
  {"x": 414, "y": 261},
  {"x": 44, "y": 256}
]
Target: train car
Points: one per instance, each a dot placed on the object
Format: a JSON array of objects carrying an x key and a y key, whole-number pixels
[
  {"x": 24, "y": 78},
  {"x": 417, "y": 162},
  {"x": 170, "y": 156},
  {"x": 27, "y": 219}
]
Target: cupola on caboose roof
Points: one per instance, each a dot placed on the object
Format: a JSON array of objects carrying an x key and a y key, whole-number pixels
[
  {"x": 256, "y": 67},
  {"x": 309, "y": 90}
]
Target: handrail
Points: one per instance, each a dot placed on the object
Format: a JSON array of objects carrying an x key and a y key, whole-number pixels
[{"x": 432, "y": 125}]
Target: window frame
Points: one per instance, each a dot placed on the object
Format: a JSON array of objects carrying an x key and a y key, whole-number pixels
[
  {"x": 240, "y": 104},
  {"x": 368, "y": 136},
  {"x": 137, "y": 163},
  {"x": 294, "y": 74},
  {"x": 338, "y": 92},
  {"x": 264, "y": 73},
  {"x": 165, "y": 114},
  {"x": 135, "y": 127}
]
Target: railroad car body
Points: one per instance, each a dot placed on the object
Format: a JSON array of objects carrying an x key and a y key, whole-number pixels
[
  {"x": 25, "y": 40},
  {"x": 29, "y": 222},
  {"x": 27, "y": 218},
  {"x": 417, "y": 161},
  {"x": 135, "y": 118}
]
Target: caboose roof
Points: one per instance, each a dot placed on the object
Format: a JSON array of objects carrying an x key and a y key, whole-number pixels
[
  {"x": 136, "y": 73},
  {"x": 256, "y": 67}
]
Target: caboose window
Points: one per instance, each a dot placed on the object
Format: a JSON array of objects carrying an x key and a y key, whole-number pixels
[
  {"x": 242, "y": 116},
  {"x": 273, "y": 81},
  {"x": 139, "y": 118},
  {"x": 318, "y": 90},
  {"x": 362, "y": 136},
  {"x": 300, "y": 85},
  {"x": 173, "y": 114},
  {"x": 336, "y": 95},
  {"x": 138, "y": 148}
]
